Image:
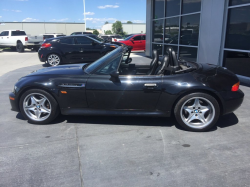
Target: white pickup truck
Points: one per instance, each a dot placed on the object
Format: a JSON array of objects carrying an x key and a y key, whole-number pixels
[{"x": 18, "y": 40}]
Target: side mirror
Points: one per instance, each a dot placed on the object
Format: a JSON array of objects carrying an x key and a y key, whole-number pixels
[{"x": 114, "y": 74}]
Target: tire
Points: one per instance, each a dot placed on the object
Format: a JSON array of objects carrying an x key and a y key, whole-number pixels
[
  {"x": 19, "y": 47},
  {"x": 54, "y": 59},
  {"x": 197, "y": 112},
  {"x": 38, "y": 106}
]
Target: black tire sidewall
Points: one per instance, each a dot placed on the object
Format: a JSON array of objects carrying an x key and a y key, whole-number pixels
[
  {"x": 20, "y": 46},
  {"x": 189, "y": 96},
  {"x": 53, "y": 102}
]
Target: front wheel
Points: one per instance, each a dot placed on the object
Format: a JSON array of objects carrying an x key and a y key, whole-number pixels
[
  {"x": 197, "y": 112},
  {"x": 38, "y": 106},
  {"x": 54, "y": 59}
]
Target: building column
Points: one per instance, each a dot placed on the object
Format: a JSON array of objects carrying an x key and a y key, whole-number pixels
[
  {"x": 211, "y": 31},
  {"x": 149, "y": 28}
]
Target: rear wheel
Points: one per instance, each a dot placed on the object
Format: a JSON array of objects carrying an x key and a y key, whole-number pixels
[
  {"x": 19, "y": 47},
  {"x": 197, "y": 112},
  {"x": 54, "y": 59},
  {"x": 38, "y": 106}
]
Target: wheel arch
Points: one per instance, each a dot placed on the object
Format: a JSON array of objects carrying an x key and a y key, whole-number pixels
[
  {"x": 57, "y": 53},
  {"x": 35, "y": 87},
  {"x": 213, "y": 94},
  {"x": 19, "y": 41}
]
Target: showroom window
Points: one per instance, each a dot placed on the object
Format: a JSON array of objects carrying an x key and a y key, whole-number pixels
[
  {"x": 237, "y": 39},
  {"x": 176, "y": 24}
]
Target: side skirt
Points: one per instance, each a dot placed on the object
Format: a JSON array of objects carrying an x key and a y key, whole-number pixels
[{"x": 97, "y": 112}]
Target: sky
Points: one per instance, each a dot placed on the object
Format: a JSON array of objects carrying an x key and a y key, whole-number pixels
[{"x": 97, "y": 11}]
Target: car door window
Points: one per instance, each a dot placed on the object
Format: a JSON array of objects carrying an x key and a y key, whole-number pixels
[
  {"x": 48, "y": 36},
  {"x": 67, "y": 41},
  {"x": 108, "y": 68},
  {"x": 5, "y": 33},
  {"x": 143, "y": 37},
  {"x": 83, "y": 41},
  {"x": 137, "y": 38}
]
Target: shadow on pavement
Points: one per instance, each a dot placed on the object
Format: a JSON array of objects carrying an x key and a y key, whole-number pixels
[
  {"x": 223, "y": 122},
  {"x": 13, "y": 51}
]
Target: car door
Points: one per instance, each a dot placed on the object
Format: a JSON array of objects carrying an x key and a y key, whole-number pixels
[
  {"x": 89, "y": 50},
  {"x": 143, "y": 40},
  {"x": 69, "y": 49},
  {"x": 130, "y": 92},
  {"x": 4, "y": 38},
  {"x": 137, "y": 43}
]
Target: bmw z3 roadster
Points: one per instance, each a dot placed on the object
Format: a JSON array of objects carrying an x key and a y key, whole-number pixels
[{"x": 196, "y": 94}]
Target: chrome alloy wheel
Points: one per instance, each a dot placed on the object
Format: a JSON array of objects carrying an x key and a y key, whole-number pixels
[
  {"x": 37, "y": 107},
  {"x": 54, "y": 60},
  {"x": 197, "y": 112}
]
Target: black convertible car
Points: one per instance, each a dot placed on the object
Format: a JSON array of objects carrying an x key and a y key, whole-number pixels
[{"x": 197, "y": 94}]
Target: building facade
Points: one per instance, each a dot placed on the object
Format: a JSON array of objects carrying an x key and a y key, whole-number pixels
[
  {"x": 37, "y": 28},
  {"x": 206, "y": 31},
  {"x": 133, "y": 28}
]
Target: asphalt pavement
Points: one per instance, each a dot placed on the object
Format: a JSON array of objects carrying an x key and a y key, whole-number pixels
[{"x": 117, "y": 151}]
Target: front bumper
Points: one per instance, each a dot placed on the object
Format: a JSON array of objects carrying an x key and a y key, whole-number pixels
[
  {"x": 233, "y": 101},
  {"x": 13, "y": 102},
  {"x": 41, "y": 56}
]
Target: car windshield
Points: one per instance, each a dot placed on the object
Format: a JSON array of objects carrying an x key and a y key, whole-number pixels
[
  {"x": 97, "y": 38},
  {"x": 129, "y": 37},
  {"x": 107, "y": 58}
]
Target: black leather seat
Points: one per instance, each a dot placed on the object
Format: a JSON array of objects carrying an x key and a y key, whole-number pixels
[
  {"x": 154, "y": 63},
  {"x": 164, "y": 64}
]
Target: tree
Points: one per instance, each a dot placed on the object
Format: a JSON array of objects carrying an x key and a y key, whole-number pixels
[
  {"x": 106, "y": 22},
  {"x": 96, "y": 32},
  {"x": 88, "y": 28},
  {"x": 108, "y": 32},
  {"x": 117, "y": 27},
  {"x": 129, "y": 22}
]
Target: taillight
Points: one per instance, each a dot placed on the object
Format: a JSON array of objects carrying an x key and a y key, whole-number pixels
[
  {"x": 115, "y": 40},
  {"x": 46, "y": 45},
  {"x": 26, "y": 39},
  {"x": 235, "y": 87}
]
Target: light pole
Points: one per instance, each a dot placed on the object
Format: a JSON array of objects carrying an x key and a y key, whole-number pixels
[{"x": 84, "y": 14}]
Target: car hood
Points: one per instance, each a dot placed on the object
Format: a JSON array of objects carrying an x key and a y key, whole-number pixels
[{"x": 74, "y": 69}]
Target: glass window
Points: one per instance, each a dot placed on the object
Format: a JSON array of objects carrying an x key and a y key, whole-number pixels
[
  {"x": 137, "y": 38},
  {"x": 172, "y": 7},
  {"x": 83, "y": 40},
  {"x": 238, "y": 2},
  {"x": 237, "y": 62},
  {"x": 158, "y": 9},
  {"x": 60, "y": 35},
  {"x": 107, "y": 69},
  {"x": 158, "y": 47},
  {"x": 18, "y": 33},
  {"x": 158, "y": 31},
  {"x": 143, "y": 37},
  {"x": 48, "y": 36},
  {"x": 238, "y": 28},
  {"x": 175, "y": 48},
  {"x": 190, "y": 6},
  {"x": 4, "y": 33},
  {"x": 188, "y": 53},
  {"x": 67, "y": 40},
  {"x": 190, "y": 30},
  {"x": 172, "y": 30}
]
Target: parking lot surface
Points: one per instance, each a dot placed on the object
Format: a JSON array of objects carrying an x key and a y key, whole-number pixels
[{"x": 117, "y": 151}]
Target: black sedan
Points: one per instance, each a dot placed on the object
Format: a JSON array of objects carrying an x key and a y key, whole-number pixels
[
  {"x": 73, "y": 49},
  {"x": 197, "y": 94}
]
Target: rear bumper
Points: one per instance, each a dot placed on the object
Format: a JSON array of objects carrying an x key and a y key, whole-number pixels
[
  {"x": 233, "y": 101},
  {"x": 13, "y": 102}
]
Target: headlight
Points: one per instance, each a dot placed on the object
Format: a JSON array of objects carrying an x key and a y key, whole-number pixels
[{"x": 16, "y": 89}]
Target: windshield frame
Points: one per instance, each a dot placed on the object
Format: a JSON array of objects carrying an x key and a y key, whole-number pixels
[
  {"x": 93, "y": 67},
  {"x": 129, "y": 37}
]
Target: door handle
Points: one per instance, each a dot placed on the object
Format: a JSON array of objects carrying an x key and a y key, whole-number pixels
[
  {"x": 81, "y": 49},
  {"x": 150, "y": 85}
]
